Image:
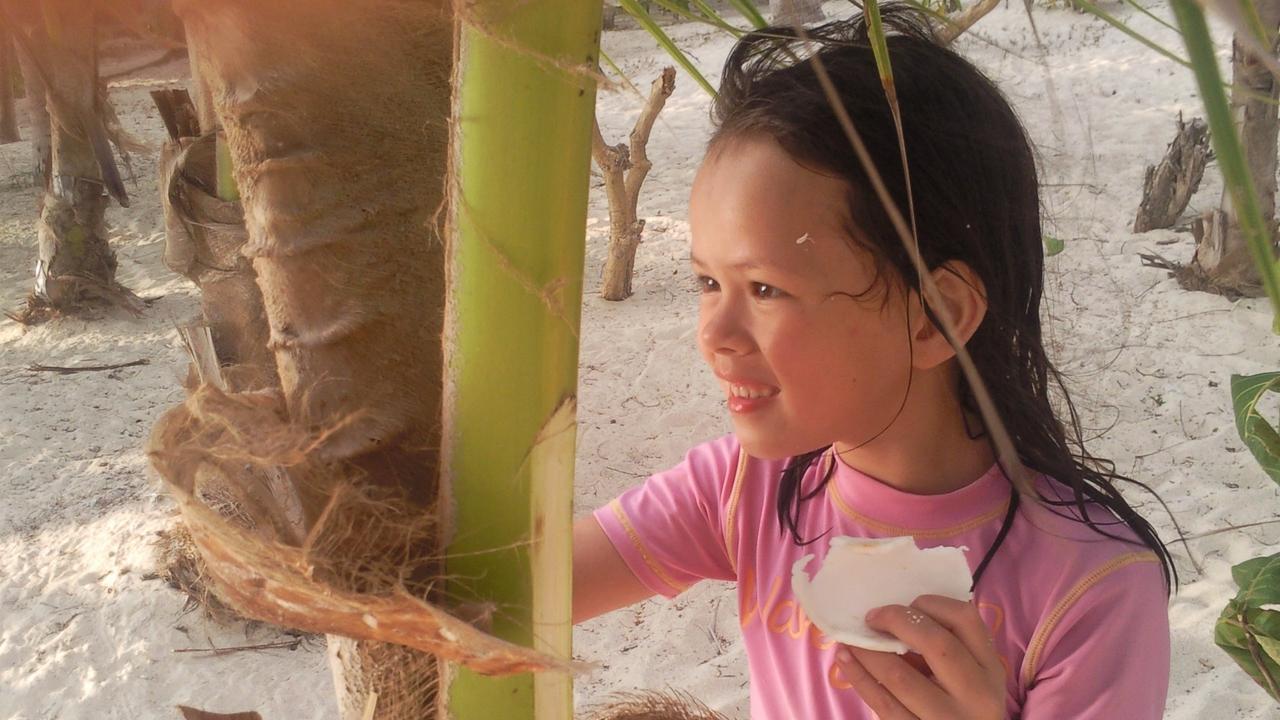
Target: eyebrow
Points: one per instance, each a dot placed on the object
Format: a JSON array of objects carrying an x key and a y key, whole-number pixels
[
  {"x": 748, "y": 266},
  {"x": 744, "y": 265}
]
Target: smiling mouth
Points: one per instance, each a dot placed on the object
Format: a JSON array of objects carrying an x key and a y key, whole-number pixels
[{"x": 747, "y": 392}]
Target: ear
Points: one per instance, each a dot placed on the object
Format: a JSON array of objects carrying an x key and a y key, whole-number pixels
[{"x": 964, "y": 300}]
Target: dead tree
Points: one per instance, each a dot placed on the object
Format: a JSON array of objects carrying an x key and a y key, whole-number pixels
[
  {"x": 1168, "y": 187},
  {"x": 1223, "y": 262},
  {"x": 625, "y": 167},
  {"x": 959, "y": 21}
]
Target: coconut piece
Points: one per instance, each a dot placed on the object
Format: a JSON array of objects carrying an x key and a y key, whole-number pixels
[{"x": 861, "y": 574}]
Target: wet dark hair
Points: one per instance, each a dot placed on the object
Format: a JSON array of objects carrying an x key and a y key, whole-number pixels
[{"x": 974, "y": 178}]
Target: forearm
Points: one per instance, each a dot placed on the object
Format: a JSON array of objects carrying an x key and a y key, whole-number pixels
[{"x": 601, "y": 579}]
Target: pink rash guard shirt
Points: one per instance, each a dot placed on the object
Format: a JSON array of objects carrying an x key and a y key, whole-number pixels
[{"x": 1080, "y": 620}]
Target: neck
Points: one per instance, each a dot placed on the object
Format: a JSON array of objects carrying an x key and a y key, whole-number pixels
[{"x": 927, "y": 450}]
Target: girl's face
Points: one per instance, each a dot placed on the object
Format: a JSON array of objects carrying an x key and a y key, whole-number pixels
[{"x": 806, "y": 356}]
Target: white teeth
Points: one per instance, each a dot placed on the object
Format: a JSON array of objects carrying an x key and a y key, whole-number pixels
[{"x": 743, "y": 392}]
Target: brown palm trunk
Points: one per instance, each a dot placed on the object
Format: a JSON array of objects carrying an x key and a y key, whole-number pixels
[
  {"x": 336, "y": 116},
  {"x": 27, "y": 23},
  {"x": 1222, "y": 259},
  {"x": 8, "y": 113},
  {"x": 75, "y": 262}
]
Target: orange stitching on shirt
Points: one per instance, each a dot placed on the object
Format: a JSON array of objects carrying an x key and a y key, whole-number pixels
[
  {"x": 621, "y": 514},
  {"x": 897, "y": 530},
  {"x": 732, "y": 510},
  {"x": 1038, "y": 640}
]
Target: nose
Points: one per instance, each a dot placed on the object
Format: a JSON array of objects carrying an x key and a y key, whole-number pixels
[{"x": 722, "y": 327}]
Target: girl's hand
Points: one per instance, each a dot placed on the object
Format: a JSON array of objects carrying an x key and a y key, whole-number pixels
[{"x": 968, "y": 679}]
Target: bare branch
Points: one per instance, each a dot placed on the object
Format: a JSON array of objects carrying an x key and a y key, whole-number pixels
[{"x": 963, "y": 20}]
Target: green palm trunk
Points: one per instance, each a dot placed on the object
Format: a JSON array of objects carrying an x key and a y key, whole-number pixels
[{"x": 523, "y": 118}]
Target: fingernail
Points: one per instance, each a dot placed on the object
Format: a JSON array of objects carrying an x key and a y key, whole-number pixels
[
  {"x": 843, "y": 655},
  {"x": 873, "y": 615}
]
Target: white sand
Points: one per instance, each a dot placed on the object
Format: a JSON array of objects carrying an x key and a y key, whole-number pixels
[{"x": 83, "y": 634}]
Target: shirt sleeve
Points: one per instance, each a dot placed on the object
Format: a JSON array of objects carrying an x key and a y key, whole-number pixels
[
  {"x": 1103, "y": 652},
  {"x": 669, "y": 530}
]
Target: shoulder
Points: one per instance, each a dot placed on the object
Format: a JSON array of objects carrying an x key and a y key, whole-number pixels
[
  {"x": 706, "y": 476},
  {"x": 1084, "y": 530},
  {"x": 1088, "y": 582}
]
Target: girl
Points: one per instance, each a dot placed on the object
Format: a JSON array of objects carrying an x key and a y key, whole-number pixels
[{"x": 851, "y": 416}]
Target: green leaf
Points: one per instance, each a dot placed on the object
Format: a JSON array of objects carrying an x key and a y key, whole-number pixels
[
  {"x": 749, "y": 11},
  {"x": 1111, "y": 20},
  {"x": 642, "y": 16},
  {"x": 1246, "y": 632},
  {"x": 716, "y": 18},
  {"x": 1053, "y": 245},
  {"x": 880, "y": 49},
  {"x": 1258, "y": 435},
  {"x": 1138, "y": 6},
  {"x": 1258, "y": 580},
  {"x": 1269, "y": 645}
]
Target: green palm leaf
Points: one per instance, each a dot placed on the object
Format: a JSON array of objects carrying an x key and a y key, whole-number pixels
[
  {"x": 1258, "y": 435},
  {"x": 642, "y": 16},
  {"x": 1120, "y": 25},
  {"x": 749, "y": 11}
]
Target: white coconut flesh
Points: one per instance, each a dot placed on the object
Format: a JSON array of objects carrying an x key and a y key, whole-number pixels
[{"x": 861, "y": 574}]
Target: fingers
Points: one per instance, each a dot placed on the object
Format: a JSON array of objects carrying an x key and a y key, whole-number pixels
[
  {"x": 953, "y": 665},
  {"x": 952, "y": 638},
  {"x": 875, "y": 695},
  {"x": 891, "y": 687},
  {"x": 963, "y": 620}
]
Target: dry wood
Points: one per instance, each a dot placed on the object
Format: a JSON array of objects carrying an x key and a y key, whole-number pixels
[
  {"x": 625, "y": 167},
  {"x": 958, "y": 23},
  {"x": 67, "y": 370},
  {"x": 1168, "y": 186},
  {"x": 204, "y": 236},
  {"x": 178, "y": 112},
  {"x": 293, "y": 644},
  {"x": 1223, "y": 262}
]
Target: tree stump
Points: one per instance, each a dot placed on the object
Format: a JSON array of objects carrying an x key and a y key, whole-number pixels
[{"x": 1168, "y": 186}]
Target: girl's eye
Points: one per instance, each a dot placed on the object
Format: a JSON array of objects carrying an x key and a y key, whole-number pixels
[
  {"x": 765, "y": 292},
  {"x": 707, "y": 284}
]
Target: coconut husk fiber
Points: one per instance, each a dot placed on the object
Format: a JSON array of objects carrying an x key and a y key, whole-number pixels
[{"x": 353, "y": 573}]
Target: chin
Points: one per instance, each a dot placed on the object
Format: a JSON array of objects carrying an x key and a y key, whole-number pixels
[{"x": 767, "y": 448}]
